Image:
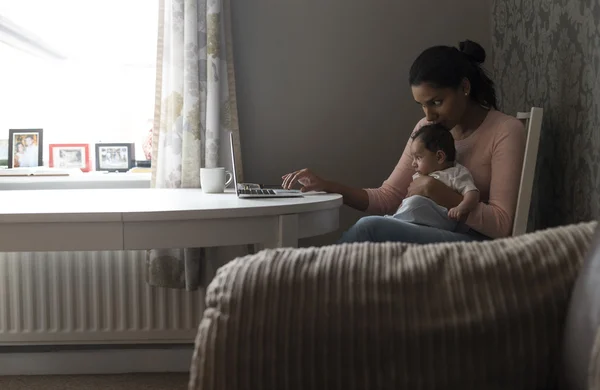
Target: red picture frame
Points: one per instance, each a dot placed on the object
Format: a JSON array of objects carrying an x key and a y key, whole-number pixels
[{"x": 70, "y": 156}]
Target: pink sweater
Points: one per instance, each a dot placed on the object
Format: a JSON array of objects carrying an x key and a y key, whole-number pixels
[{"x": 494, "y": 156}]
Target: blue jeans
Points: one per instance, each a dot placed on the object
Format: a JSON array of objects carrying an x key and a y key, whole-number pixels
[
  {"x": 423, "y": 211},
  {"x": 383, "y": 229}
]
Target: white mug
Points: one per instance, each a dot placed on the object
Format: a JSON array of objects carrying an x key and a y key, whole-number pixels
[{"x": 214, "y": 180}]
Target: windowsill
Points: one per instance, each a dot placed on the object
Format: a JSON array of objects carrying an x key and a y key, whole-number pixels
[{"x": 83, "y": 181}]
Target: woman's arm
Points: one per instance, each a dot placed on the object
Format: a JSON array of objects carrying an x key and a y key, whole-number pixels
[
  {"x": 495, "y": 218},
  {"x": 357, "y": 198},
  {"x": 354, "y": 197},
  {"x": 435, "y": 190},
  {"x": 387, "y": 198},
  {"x": 382, "y": 200}
]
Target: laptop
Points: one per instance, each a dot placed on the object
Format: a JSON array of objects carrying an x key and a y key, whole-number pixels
[{"x": 249, "y": 190}]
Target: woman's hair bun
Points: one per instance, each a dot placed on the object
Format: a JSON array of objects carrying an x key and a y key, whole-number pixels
[{"x": 473, "y": 51}]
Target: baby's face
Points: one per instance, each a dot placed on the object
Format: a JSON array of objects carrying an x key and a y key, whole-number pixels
[{"x": 424, "y": 161}]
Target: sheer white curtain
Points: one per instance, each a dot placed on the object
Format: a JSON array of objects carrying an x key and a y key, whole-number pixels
[{"x": 195, "y": 108}]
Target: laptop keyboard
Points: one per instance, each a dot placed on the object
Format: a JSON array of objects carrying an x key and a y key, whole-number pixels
[{"x": 257, "y": 192}]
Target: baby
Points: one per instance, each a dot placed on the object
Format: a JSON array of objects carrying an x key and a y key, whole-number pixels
[{"x": 434, "y": 155}]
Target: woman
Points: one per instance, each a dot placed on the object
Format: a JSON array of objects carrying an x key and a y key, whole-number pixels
[
  {"x": 455, "y": 91},
  {"x": 19, "y": 155}
]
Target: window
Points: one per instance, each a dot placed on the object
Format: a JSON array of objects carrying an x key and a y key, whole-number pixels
[{"x": 83, "y": 71}]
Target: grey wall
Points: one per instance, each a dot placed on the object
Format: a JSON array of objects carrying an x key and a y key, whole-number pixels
[
  {"x": 323, "y": 84},
  {"x": 546, "y": 53}
]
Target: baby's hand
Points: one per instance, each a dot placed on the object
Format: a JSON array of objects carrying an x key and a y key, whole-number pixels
[{"x": 458, "y": 214}]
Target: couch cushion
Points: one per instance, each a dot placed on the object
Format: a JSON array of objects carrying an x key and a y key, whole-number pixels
[
  {"x": 486, "y": 315},
  {"x": 583, "y": 321},
  {"x": 595, "y": 364}
]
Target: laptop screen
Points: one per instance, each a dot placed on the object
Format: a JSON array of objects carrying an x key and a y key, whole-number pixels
[{"x": 235, "y": 184}]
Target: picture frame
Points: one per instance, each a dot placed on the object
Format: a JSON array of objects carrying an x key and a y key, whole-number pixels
[
  {"x": 70, "y": 156},
  {"x": 25, "y": 148},
  {"x": 115, "y": 157}
]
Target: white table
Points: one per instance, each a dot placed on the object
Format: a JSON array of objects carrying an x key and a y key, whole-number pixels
[
  {"x": 90, "y": 180},
  {"x": 128, "y": 219}
]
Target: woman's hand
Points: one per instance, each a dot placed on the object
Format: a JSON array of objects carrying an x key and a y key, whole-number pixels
[
  {"x": 354, "y": 197},
  {"x": 420, "y": 186},
  {"x": 435, "y": 190},
  {"x": 307, "y": 179}
]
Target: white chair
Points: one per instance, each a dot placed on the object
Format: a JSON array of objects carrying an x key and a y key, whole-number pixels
[{"x": 533, "y": 125}]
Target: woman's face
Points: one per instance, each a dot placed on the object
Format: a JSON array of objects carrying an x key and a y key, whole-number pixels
[
  {"x": 445, "y": 106},
  {"x": 20, "y": 148}
]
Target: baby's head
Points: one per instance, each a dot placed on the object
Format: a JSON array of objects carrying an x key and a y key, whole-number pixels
[{"x": 432, "y": 149}]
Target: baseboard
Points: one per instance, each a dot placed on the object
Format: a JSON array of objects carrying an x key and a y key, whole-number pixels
[{"x": 102, "y": 361}]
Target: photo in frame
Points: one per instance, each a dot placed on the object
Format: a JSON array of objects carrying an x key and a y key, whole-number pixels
[
  {"x": 70, "y": 156},
  {"x": 25, "y": 148},
  {"x": 3, "y": 153},
  {"x": 116, "y": 157}
]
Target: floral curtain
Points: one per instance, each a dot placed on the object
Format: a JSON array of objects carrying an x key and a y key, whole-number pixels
[{"x": 195, "y": 108}]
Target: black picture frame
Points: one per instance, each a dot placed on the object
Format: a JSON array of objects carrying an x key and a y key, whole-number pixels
[
  {"x": 22, "y": 159},
  {"x": 115, "y": 157}
]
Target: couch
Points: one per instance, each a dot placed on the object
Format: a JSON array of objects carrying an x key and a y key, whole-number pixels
[{"x": 515, "y": 313}]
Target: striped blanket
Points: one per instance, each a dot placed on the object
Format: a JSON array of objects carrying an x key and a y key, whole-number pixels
[
  {"x": 595, "y": 365},
  {"x": 483, "y": 315}
]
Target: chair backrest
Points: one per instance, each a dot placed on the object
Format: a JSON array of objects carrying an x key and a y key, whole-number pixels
[{"x": 533, "y": 124}]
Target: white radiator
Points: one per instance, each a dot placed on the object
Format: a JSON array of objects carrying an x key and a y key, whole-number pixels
[{"x": 90, "y": 298}]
